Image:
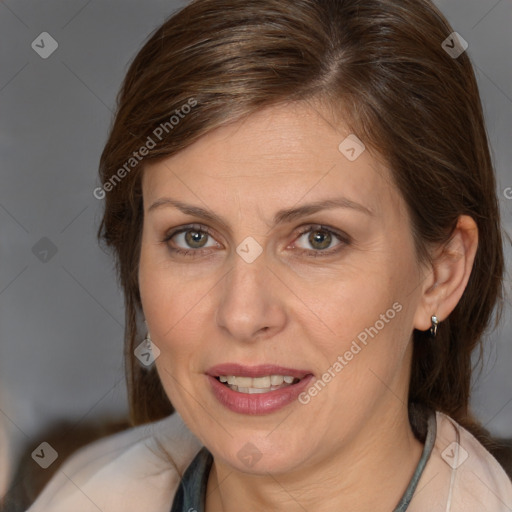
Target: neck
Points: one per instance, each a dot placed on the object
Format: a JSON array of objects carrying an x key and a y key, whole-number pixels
[{"x": 375, "y": 468}]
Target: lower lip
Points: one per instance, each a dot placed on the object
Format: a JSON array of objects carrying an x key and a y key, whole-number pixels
[{"x": 258, "y": 403}]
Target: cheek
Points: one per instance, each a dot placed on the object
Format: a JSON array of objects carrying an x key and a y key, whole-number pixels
[
  {"x": 178, "y": 308},
  {"x": 175, "y": 314},
  {"x": 348, "y": 302},
  {"x": 368, "y": 355},
  {"x": 369, "y": 314}
]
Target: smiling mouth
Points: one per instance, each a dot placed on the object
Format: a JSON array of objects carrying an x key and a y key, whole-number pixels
[{"x": 255, "y": 385}]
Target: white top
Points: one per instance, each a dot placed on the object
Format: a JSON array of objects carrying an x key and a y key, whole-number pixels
[{"x": 129, "y": 472}]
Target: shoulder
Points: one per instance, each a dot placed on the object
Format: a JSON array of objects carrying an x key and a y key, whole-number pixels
[
  {"x": 461, "y": 475},
  {"x": 478, "y": 476},
  {"x": 138, "y": 469}
]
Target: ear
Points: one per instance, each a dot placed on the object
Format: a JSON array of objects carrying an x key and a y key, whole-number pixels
[{"x": 446, "y": 281}]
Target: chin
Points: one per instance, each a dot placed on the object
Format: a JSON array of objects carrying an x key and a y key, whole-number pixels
[{"x": 259, "y": 455}]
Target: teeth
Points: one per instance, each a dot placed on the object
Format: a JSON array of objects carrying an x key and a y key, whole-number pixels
[
  {"x": 276, "y": 380},
  {"x": 257, "y": 384},
  {"x": 251, "y": 391},
  {"x": 254, "y": 391},
  {"x": 243, "y": 382},
  {"x": 261, "y": 382}
]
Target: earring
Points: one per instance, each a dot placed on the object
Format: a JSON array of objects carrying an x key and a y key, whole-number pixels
[
  {"x": 147, "y": 340},
  {"x": 433, "y": 329}
]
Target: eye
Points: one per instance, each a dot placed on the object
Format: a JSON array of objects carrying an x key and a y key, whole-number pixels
[
  {"x": 321, "y": 239},
  {"x": 194, "y": 240},
  {"x": 190, "y": 239}
]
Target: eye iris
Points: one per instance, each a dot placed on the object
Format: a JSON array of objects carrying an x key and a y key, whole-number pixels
[
  {"x": 194, "y": 237},
  {"x": 320, "y": 236}
]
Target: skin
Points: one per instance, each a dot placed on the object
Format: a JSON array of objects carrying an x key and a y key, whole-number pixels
[{"x": 351, "y": 447}]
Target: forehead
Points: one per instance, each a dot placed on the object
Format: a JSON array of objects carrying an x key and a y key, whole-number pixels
[{"x": 287, "y": 153}]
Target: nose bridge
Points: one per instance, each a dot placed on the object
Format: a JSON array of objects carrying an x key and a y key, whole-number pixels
[{"x": 246, "y": 306}]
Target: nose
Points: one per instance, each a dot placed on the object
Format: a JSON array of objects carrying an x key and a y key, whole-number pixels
[{"x": 251, "y": 302}]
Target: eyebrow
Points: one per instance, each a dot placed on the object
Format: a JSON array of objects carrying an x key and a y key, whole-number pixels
[{"x": 282, "y": 216}]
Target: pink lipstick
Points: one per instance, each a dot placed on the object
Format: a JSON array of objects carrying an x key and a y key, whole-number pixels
[{"x": 256, "y": 390}]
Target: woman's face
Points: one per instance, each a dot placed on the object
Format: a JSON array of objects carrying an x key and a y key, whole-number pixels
[{"x": 262, "y": 283}]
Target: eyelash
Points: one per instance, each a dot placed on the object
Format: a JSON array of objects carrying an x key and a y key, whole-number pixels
[{"x": 193, "y": 253}]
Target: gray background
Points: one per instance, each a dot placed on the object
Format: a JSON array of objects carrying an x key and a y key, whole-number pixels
[{"x": 62, "y": 314}]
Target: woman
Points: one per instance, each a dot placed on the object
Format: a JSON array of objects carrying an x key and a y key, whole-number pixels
[{"x": 302, "y": 207}]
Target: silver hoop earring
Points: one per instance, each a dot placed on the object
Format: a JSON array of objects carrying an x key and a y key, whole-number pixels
[
  {"x": 435, "y": 323},
  {"x": 148, "y": 341}
]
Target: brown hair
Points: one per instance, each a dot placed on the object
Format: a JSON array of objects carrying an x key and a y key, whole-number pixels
[{"x": 380, "y": 63}]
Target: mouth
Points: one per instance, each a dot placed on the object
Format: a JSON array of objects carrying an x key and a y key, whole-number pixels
[
  {"x": 257, "y": 389},
  {"x": 255, "y": 385}
]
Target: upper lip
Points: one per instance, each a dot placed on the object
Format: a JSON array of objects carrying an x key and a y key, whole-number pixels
[{"x": 263, "y": 370}]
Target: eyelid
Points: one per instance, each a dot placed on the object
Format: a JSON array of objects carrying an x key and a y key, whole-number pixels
[
  {"x": 187, "y": 227},
  {"x": 321, "y": 227}
]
